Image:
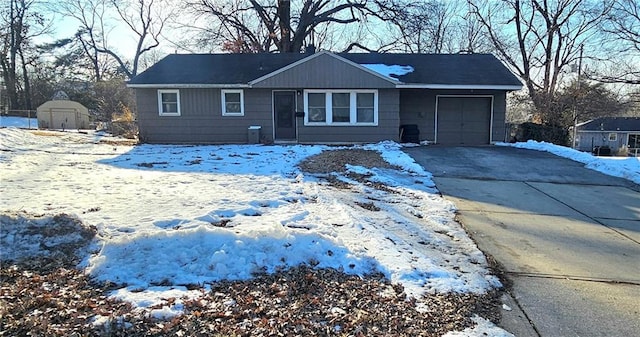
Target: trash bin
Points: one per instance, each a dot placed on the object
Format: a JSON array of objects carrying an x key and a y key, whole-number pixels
[
  {"x": 409, "y": 133},
  {"x": 602, "y": 151},
  {"x": 253, "y": 135}
]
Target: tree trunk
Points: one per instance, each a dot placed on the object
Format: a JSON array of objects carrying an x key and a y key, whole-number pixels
[
  {"x": 284, "y": 19},
  {"x": 10, "y": 82},
  {"x": 27, "y": 85},
  {"x": 15, "y": 37}
]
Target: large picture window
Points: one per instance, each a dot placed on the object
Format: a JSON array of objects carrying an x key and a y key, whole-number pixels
[
  {"x": 232, "y": 103},
  {"x": 169, "y": 102},
  {"x": 341, "y": 108}
]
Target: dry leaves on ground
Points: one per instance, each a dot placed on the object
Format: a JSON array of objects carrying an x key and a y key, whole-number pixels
[
  {"x": 48, "y": 296},
  {"x": 297, "y": 302},
  {"x": 336, "y": 160}
]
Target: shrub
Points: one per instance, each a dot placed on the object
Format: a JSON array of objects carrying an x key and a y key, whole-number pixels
[{"x": 543, "y": 133}]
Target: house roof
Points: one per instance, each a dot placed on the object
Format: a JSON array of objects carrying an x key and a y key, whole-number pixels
[
  {"x": 611, "y": 124},
  {"x": 455, "y": 71}
]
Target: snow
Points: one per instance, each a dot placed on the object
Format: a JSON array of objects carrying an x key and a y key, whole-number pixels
[
  {"x": 483, "y": 328},
  {"x": 43, "y": 236},
  {"x": 18, "y": 122},
  {"x": 156, "y": 298},
  {"x": 391, "y": 71},
  {"x": 173, "y": 216},
  {"x": 623, "y": 167}
]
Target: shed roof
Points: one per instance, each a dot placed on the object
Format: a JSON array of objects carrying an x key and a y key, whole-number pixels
[
  {"x": 63, "y": 104},
  {"x": 428, "y": 70},
  {"x": 611, "y": 124}
]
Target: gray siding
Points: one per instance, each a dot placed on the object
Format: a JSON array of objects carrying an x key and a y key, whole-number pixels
[
  {"x": 324, "y": 72},
  {"x": 387, "y": 129},
  {"x": 587, "y": 140},
  {"x": 201, "y": 119},
  {"x": 417, "y": 106},
  {"x": 499, "y": 131}
]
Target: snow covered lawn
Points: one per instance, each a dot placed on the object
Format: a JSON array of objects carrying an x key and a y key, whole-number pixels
[
  {"x": 18, "y": 122},
  {"x": 173, "y": 217}
]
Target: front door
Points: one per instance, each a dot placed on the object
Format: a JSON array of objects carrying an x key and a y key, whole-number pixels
[{"x": 284, "y": 109}]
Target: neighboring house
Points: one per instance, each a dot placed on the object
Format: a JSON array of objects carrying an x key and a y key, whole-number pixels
[
  {"x": 614, "y": 132},
  {"x": 63, "y": 114},
  {"x": 323, "y": 98}
]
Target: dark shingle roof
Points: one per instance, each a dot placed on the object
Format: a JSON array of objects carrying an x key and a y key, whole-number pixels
[
  {"x": 213, "y": 68},
  {"x": 223, "y": 69},
  {"x": 611, "y": 124},
  {"x": 450, "y": 69}
]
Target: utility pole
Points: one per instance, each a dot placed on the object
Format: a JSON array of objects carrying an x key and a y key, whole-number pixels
[{"x": 575, "y": 104}]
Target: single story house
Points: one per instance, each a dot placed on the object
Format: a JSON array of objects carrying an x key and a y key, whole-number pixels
[
  {"x": 323, "y": 98},
  {"x": 616, "y": 133},
  {"x": 63, "y": 114}
]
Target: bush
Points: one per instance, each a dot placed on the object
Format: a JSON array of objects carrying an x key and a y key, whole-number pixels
[
  {"x": 543, "y": 133},
  {"x": 124, "y": 123}
]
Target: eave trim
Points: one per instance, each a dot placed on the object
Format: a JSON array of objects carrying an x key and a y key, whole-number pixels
[
  {"x": 459, "y": 86},
  {"x": 187, "y": 86}
]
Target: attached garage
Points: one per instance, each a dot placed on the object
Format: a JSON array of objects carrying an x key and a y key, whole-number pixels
[{"x": 464, "y": 120}]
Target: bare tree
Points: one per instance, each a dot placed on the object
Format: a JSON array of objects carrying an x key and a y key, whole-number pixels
[
  {"x": 274, "y": 25},
  {"x": 539, "y": 39},
  {"x": 21, "y": 22},
  {"x": 145, "y": 19},
  {"x": 468, "y": 32},
  {"x": 421, "y": 26},
  {"x": 91, "y": 16},
  {"x": 431, "y": 26},
  {"x": 622, "y": 33}
]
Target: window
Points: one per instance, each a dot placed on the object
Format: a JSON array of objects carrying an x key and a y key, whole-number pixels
[
  {"x": 317, "y": 107},
  {"x": 169, "y": 102},
  {"x": 232, "y": 103},
  {"x": 613, "y": 137},
  {"x": 365, "y": 104},
  {"x": 634, "y": 141},
  {"x": 341, "y": 108}
]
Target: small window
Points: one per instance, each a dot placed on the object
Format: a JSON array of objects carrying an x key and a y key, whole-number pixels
[
  {"x": 232, "y": 103},
  {"x": 340, "y": 107},
  {"x": 317, "y": 107},
  {"x": 365, "y": 108},
  {"x": 613, "y": 137},
  {"x": 169, "y": 102}
]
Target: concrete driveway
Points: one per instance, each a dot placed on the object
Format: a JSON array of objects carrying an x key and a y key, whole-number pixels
[{"x": 567, "y": 237}]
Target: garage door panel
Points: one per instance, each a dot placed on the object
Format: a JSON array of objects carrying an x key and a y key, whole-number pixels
[
  {"x": 449, "y": 119},
  {"x": 464, "y": 120},
  {"x": 474, "y": 138}
]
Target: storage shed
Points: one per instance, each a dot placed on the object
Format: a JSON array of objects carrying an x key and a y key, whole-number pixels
[{"x": 63, "y": 114}]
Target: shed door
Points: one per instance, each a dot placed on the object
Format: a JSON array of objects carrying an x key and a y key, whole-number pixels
[
  {"x": 284, "y": 110},
  {"x": 464, "y": 120}
]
